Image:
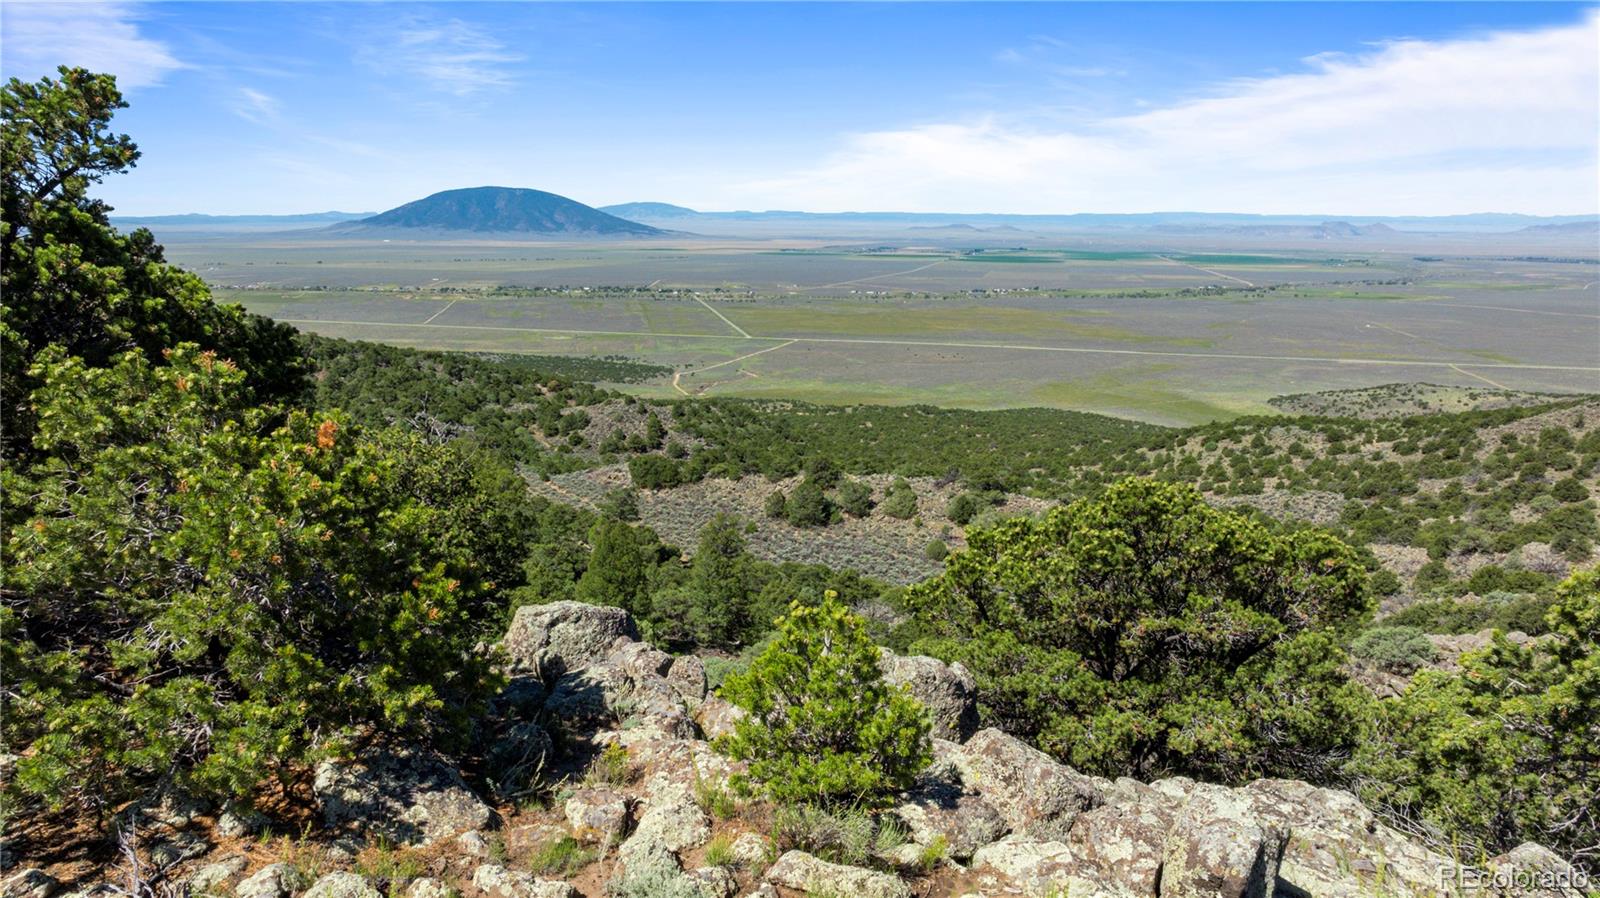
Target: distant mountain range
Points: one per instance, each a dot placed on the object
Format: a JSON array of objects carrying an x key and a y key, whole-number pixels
[
  {"x": 499, "y": 210},
  {"x": 519, "y": 212},
  {"x": 1239, "y": 223}
]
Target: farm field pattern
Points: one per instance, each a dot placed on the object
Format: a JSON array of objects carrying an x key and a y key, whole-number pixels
[{"x": 1168, "y": 337}]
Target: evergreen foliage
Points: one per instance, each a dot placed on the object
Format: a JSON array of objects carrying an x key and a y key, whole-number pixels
[
  {"x": 1144, "y": 632},
  {"x": 823, "y": 727}
]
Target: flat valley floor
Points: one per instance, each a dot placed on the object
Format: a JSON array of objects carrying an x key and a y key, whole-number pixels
[{"x": 1171, "y": 337}]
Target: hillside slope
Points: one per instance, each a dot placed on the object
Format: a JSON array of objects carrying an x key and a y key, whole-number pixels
[{"x": 507, "y": 210}]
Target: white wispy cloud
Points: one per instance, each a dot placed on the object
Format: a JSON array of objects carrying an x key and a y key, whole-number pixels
[
  {"x": 1503, "y": 121},
  {"x": 102, "y": 37},
  {"x": 255, "y": 106},
  {"x": 450, "y": 55}
]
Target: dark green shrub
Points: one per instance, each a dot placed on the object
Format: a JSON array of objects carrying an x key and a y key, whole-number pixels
[
  {"x": 855, "y": 498},
  {"x": 777, "y": 505},
  {"x": 823, "y": 727},
  {"x": 808, "y": 506},
  {"x": 900, "y": 501},
  {"x": 1103, "y": 631},
  {"x": 962, "y": 509}
]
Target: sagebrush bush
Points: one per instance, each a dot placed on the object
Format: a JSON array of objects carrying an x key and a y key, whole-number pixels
[
  {"x": 1395, "y": 649},
  {"x": 823, "y": 726}
]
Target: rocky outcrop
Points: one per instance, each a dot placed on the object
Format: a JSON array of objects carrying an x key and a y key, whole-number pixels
[
  {"x": 813, "y": 876},
  {"x": 208, "y": 880},
  {"x": 946, "y": 690},
  {"x": 941, "y": 810},
  {"x": 1033, "y": 794},
  {"x": 1218, "y": 848},
  {"x": 1338, "y": 848},
  {"x": 403, "y": 795},
  {"x": 551, "y": 640}
]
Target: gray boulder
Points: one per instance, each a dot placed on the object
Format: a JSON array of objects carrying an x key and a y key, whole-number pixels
[
  {"x": 405, "y": 795},
  {"x": 208, "y": 879},
  {"x": 1033, "y": 794},
  {"x": 672, "y": 823},
  {"x": 1534, "y": 871},
  {"x": 687, "y": 677},
  {"x": 342, "y": 885},
  {"x": 496, "y": 880},
  {"x": 548, "y": 641},
  {"x": 1218, "y": 848},
  {"x": 1340, "y": 849},
  {"x": 272, "y": 881},
  {"x": 946, "y": 690},
  {"x": 597, "y": 815},
  {"x": 805, "y": 873},
  {"x": 1122, "y": 846}
]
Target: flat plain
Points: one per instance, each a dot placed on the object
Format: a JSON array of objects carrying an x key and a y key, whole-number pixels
[{"x": 1172, "y": 336}]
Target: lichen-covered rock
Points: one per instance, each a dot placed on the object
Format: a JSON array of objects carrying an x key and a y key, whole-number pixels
[
  {"x": 1218, "y": 848},
  {"x": 177, "y": 848},
  {"x": 672, "y": 822},
  {"x": 237, "y": 822},
  {"x": 272, "y": 881},
  {"x": 1120, "y": 845},
  {"x": 29, "y": 883},
  {"x": 208, "y": 879},
  {"x": 407, "y": 796},
  {"x": 1338, "y": 848},
  {"x": 948, "y": 691},
  {"x": 342, "y": 885},
  {"x": 713, "y": 882},
  {"x": 805, "y": 873},
  {"x": 937, "y": 810},
  {"x": 427, "y": 887},
  {"x": 1033, "y": 794},
  {"x": 717, "y": 716},
  {"x": 1534, "y": 871},
  {"x": 597, "y": 815},
  {"x": 687, "y": 677},
  {"x": 751, "y": 851},
  {"x": 1029, "y": 863},
  {"x": 551, "y": 640},
  {"x": 496, "y": 880}
]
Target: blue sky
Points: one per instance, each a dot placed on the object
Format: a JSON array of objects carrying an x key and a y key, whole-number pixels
[{"x": 1365, "y": 108}]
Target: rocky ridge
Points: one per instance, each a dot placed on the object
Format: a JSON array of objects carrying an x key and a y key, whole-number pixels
[{"x": 990, "y": 816}]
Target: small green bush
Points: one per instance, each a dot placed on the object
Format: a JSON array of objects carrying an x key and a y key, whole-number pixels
[
  {"x": 823, "y": 726},
  {"x": 777, "y": 505},
  {"x": 855, "y": 498},
  {"x": 562, "y": 857},
  {"x": 962, "y": 508},
  {"x": 900, "y": 501},
  {"x": 937, "y": 550},
  {"x": 1395, "y": 649}
]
